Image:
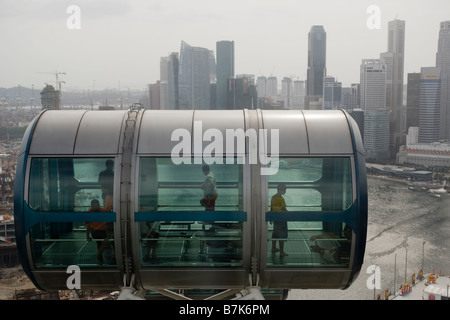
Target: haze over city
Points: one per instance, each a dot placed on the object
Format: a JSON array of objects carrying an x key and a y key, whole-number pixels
[{"x": 119, "y": 44}]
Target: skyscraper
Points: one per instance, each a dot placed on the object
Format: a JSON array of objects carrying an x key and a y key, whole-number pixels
[
  {"x": 412, "y": 100},
  {"x": 443, "y": 53},
  {"x": 373, "y": 102},
  {"x": 169, "y": 82},
  {"x": 376, "y": 134},
  {"x": 272, "y": 87},
  {"x": 443, "y": 62},
  {"x": 225, "y": 71},
  {"x": 332, "y": 93},
  {"x": 298, "y": 99},
  {"x": 287, "y": 92},
  {"x": 197, "y": 70},
  {"x": 373, "y": 85},
  {"x": 396, "y": 46},
  {"x": 261, "y": 86},
  {"x": 317, "y": 40},
  {"x": 350, "y": 97},
  {"x": 242, "y": 92},
  {"x": 394, "y": 61},
  {"x": 430, "y": 104}
]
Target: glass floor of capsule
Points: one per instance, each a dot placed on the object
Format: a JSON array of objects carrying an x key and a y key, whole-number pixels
[
  {"x": 196, "y": 248},
  {"x": 193, "y": 245},
  {"x": 309, "y": 248},
  {"x": 71, "y": 248}
]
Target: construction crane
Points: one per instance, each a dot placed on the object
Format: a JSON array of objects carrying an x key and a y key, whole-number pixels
[{"x": 58, "y": 82}]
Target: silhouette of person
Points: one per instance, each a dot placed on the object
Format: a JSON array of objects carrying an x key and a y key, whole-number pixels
[
  {"x": 280, "y": 230},
  {"x": 106, "y": 180},
  {"x": 209, "y": 190}
]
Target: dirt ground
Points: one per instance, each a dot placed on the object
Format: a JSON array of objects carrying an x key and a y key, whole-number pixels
[{"x": 12, "y": 279}]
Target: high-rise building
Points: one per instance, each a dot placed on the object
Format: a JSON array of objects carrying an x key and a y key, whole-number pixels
[
  {"x": 373, "y": 85},
  {"x": 287, "y": 93},
  {"x": 376, "y": 134},
  {"x": 242, "y": 92},
  {"x": 332, "y": 92},
  {"x": 197, "y": 70},
  {"x": 412, "y": 100},
  {"x": 261, "y": 83},
  {"x": 169, "y": 82},
  {"x": 298, "y": 99},
  {"x": 376, "y": 115},
  {"x": 317, "y": 40},
  {"x": 350, "y": 97},
  {"x": 396, "y": 46},
  {"x": 443, "y": 53},
  {"x": 443, "y": 62},
  {"x": 272, "y": 88},
  {"x": 225, "y": 71},
  {"x": 394, "y": 61},
  {"x": 154, "y": 90},
  {"x": 164, "y": 83},
  {"x": 430, "y": 104},
  {"x": 50, "y": 98}
]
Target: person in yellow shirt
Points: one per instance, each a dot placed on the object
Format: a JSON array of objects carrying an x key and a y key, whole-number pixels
[{"x": 280, "y": 230}]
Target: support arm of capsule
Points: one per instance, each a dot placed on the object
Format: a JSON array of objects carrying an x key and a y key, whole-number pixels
[
  {"x": 250, "y": 293},
  {"x": 128, "y": 292}
]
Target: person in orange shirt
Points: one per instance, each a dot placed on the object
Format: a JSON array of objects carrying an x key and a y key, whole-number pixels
[{"x": 98, "y": 231}]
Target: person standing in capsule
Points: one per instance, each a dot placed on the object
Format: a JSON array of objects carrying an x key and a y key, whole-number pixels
[{"x": 280, "y": 230}]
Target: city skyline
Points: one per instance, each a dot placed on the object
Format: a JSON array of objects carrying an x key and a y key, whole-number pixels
[{"x": 120, "y": 45}]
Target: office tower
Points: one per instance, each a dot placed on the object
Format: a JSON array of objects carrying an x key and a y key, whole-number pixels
[
  {"x": 242, "y": 92},
  {"x": 287, "y": 92},
  {"x": 173, "y": 67},
  {"x": 373, "y": 85},
  {"x": 261, "y": 83},
  {"x": 50, "y": 98},
  {"x": 443, "y": 62},
  {"x": 394, "y": 61},
  {"x": 412, "y": 100},
  {"x": 154, "y": 90},
  {"x": 350, "y": 97},
  {"x": 225, "y": 71},
  {"x": 298, "y": 100},
  {"x": 164, "y": 83},
  {"x": 272, "y": 88},
  {"x": 443, "y": 54},
  {"x": 169, "y": 82},
  {"x": 373, "y": 102},
  {"x": 332, "y": 91},
  {"x": 197, "y": 70},
  {"x": 430, "y": 104},
  {"x": 317, "y": 40},
  {"x": 376, "y": 134},
  {"x": 394, "y": 79}
]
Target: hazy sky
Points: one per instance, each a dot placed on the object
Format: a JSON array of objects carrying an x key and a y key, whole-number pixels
[{"x": 121, "y": 42}]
